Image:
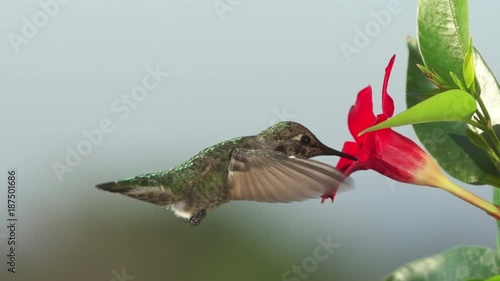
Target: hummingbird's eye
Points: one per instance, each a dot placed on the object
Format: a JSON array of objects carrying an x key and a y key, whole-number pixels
[{"x": 305, "y": 140}]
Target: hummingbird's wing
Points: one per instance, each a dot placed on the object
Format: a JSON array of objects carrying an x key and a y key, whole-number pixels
[{"x": 269, "y": 176}]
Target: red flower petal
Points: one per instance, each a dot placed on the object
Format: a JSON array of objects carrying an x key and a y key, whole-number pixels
[
  {"x": 387, "y": 102},
  {"x": 385, "y": 150},
  {"x": 329, "y": 196},
  {"x": 392, "y": 155},
  {"x": 351, "y": 148},
  {"x": 361, "y": 114}
]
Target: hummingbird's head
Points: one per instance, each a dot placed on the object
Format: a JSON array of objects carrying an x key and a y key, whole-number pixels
[{"x": 296, "y": 140}]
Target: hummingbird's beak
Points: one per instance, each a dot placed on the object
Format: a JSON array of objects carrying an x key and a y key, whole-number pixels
[{"x": 330, "y": 151}]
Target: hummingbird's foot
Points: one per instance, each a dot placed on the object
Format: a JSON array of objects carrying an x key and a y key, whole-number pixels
[{"x": 196, "y": 219}]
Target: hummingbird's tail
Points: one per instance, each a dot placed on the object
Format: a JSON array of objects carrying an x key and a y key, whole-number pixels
[
  {"x": 112, "y": 186},
  {"x": 121, "y": 186},
  {"x": 144, "y": 187},
  {"x": 128, "y": 184}
]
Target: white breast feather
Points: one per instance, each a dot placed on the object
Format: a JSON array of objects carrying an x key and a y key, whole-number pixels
[{"x": 178, "y": 208}]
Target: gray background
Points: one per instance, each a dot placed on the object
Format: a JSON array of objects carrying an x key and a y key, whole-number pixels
[{"x": 228, "y": 78}]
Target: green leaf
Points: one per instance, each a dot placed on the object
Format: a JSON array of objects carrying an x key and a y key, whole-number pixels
[
  {"x": 494, "y": 278},
  {"x": 457, "y": 264},
  {"x": 443, "y": 35},
  {"x": 490, "y": 89},
  {"x": 469, "y": 70},
  {"x": 451, "y": 105},
  {"x": 447, "y": 142},
  {"x": 478, "y": 140},
  {"x": 457, "y": 81},
  {"x": 434, "y": 77},
  {"x": 496, "y": 201}
]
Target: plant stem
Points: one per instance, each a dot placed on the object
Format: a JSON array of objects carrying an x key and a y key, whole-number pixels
[
  {"x": 488, "y": 126},
  {"x": 483, "y": 108},
  {"x": 496, "y": 200},
  {"x": 493, "y": 181},
  {"x": 477, "y": 125},
  {"x": 480, "y": 116},
  {"x": 494, "y": 137},
  {"x": 470, "y": 197},
  {"x": 494, "y": 155},
  {"x": 495, "y": 151}
]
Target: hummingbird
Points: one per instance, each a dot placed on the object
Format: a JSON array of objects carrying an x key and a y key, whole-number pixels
[{"x": 272, "y": 166}]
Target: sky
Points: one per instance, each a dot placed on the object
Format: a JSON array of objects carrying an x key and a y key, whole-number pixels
[{"x": 96, "y": 91}]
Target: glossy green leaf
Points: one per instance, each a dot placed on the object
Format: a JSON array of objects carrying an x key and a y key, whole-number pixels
[
  {"x": 469, "y": 70},
  {"x": 451, "y": 105},
  {"x": 435, "y": 78},
  {"x": 490, "y": 89},
  {"x": 443, "y": 35},
  {"x": 490, "y": 94},
  {"x": 458, "y": 264},
  {"x": 447, "y": 142},
  {"x": 478, "y": 140},
  {"x": 494, "y": 278},
  {"x": 496, "y": 201},
  {"x": 457, "y": 81}
]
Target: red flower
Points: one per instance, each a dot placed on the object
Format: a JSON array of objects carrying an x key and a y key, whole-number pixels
[
  {"x": 393, "y": 154},
  {"x": 385, "y": 150}
]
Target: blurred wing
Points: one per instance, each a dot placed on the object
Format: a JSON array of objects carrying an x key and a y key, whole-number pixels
[{"x": 267, "y": 176}]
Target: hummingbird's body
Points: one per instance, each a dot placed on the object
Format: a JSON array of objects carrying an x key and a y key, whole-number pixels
[{"x": 269, "y": 167}]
